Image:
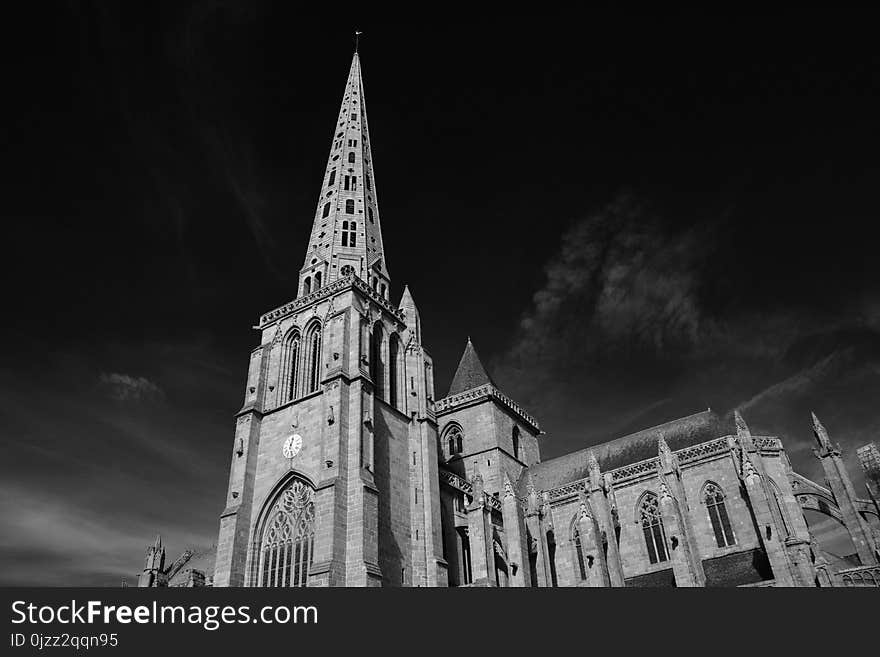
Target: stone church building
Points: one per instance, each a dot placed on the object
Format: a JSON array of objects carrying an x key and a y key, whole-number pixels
[{"x": 348, "y": 470}]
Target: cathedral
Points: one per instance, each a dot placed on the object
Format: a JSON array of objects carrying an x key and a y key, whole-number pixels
[{"x": 347, "y": 470}]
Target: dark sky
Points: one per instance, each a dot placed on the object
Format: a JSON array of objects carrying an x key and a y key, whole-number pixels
[{"x": 634, "y": 218}]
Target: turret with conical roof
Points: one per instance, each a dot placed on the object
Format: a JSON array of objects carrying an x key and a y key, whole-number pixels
[
  {"x": 498, "y": 436},
  {"x": 470, "y": 372}
]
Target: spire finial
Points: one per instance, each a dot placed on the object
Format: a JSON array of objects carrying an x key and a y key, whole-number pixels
[
  {"x": 821, "y": 433},
  {"x": 508, "y": 486},
  {"x": 741, "y": 426},
  {"x": 357, "y": 35},
  {"x": 743, "y": 433}
]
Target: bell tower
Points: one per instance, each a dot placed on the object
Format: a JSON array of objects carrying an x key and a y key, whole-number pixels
[{"x": 333, "y": 478}]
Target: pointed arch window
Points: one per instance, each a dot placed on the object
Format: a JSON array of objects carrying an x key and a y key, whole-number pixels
[
  {"x": 454, "y": 440},
  {"x": 313, "y": 371},
  {"x": 332, "y": 178},
  {"x": 290, "y": 368},
  {"x": 713, "y": 497},
  {"x": 326, "y": 212},
  {"x": 307, "y": 285},
  {"x": 515, "y": 438},
  {"x": 652, "y": 527},
  {"x": 317, "y": 280},
  {"x": 288, "y": 541}
]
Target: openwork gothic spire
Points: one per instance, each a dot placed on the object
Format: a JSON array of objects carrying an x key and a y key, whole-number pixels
[{"x": 346, "y": 236}]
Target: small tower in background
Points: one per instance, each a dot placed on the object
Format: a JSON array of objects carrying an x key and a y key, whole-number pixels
[
  {"x": 869, "y": 459},
  {"x": 482, "y": 429},
  {"x": 154, "y": 565}
]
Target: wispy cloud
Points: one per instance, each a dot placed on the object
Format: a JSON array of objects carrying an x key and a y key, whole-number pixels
[
  {"x": 618, "y": 278},
  {"x": 802, "y": 381},
  {"x": 627, "y": 331},
  {"x": 55, "y": 541},
  {"x": 106, "y": 450},
  {"x": 124, "y": 387}
]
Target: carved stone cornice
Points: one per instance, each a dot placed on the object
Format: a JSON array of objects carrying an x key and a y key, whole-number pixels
[
  {"x": 468, "y": 397},
  {"x": 333, "y": 288}
]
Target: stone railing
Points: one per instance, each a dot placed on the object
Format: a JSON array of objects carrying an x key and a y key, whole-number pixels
[
  {"x": 459, "y": 483},
  {"x": 466, "y": 487},
  {"x": 326, "y": 291},
  {"x": 765, "y": 443},
  {"x": 640, "y": 469},
  {"x": 650, "y": 466},
  {"x": 690, "y": 454},
  {"x": 568, "y": 490},
  {"x": 486, "y": 390},
  {"x": 628, "y": 472},
  {"x": 697, "y": 452},
  {"x": 859, "y": 576}
]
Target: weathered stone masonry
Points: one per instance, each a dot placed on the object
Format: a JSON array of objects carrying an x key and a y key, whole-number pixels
[{"x": 347, "y": 471}]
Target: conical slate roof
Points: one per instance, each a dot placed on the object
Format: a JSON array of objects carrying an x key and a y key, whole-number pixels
[{"x": 470, "y": 372}]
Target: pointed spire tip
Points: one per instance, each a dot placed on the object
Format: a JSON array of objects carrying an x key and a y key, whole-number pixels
[{"x": 470, "y": 372}]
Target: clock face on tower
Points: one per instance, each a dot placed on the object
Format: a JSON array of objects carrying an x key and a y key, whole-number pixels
[{"x": 292, "y": 446}]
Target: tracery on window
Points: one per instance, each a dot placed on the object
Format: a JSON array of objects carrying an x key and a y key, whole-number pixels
[
  {"x": 652, "y": 527},
  {"x": 287, "y": 548},
  {"x": 454, "y": 440},
  {"x": 713, "y": 497},
  {"x": 290, "y": 367}
]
